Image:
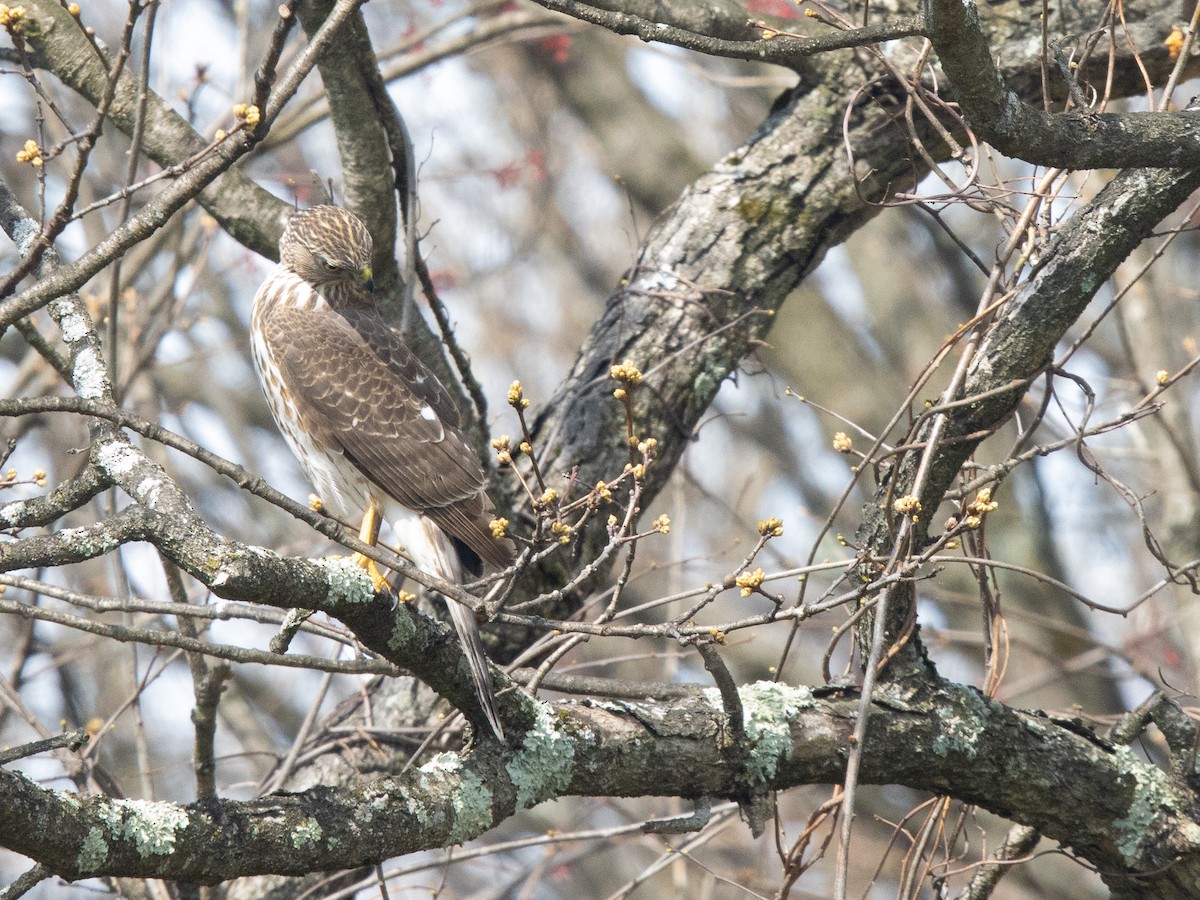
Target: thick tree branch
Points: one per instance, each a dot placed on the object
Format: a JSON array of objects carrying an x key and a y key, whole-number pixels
[
  {"x": 1085, "y": 252},
  {"x": 1109, "y": 804},
  {"x": 1081, "y": 139}
]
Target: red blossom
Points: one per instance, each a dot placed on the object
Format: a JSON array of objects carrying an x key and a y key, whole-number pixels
[
  {"x": 535, "y": 162},
  {"x": 532, "y": 164},
  {"x": 556, "y": 45}
]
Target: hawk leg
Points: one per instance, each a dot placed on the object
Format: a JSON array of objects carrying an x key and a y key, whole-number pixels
[{"x": 369, "y": 534}]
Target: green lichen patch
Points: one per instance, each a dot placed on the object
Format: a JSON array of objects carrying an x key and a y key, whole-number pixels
[
  {"x": 472, "y": 804},
  {"x": 94, "y": 852},
  {"x": 88, "y": 541},
  {"x": 470, "y": 798},
  {"x": 961, "y": 733},
  {"x": 348, "y": 581},
  {"x": 767, "y": 711},
  {"x": 543, "y": 767},
  {"x": 12, "y": 513},
  {"x": 118, "y": 458},
  {"x": 403, "y": 632},
  {"x": 1152, "y": 792},
  {"x": 307, "y": 834},
  {"x": 71, "y": 320},
  {"x": 150, "y": 826}
]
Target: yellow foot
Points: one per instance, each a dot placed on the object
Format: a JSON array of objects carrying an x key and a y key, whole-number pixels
[
  {"x": 377, "y": 579},
  {"x": 369, "y": 534}
]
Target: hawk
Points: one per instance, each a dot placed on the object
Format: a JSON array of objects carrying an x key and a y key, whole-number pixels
[{"x": 373, "y": 428}]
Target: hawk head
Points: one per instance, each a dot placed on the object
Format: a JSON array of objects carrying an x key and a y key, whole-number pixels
[{"x": 330, "y": 248}]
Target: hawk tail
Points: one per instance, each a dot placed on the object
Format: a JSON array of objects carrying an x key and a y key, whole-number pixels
[
  {"x": 468, "y": 632},
  {"x": 433, "y": 549}
]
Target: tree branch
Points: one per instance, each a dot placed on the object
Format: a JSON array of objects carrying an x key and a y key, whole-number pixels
[
  {"x": 1107, "y": 800},
  {"x": 1081, "y": 139}
]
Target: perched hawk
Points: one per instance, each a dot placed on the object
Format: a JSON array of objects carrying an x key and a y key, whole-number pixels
[{"x": 373, "y": 428}]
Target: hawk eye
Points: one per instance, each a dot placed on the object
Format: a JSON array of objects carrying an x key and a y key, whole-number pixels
[{"x": 328, "y": 264}]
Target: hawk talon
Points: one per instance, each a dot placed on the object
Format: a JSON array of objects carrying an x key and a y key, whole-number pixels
[{"x": 378, "y": 581}]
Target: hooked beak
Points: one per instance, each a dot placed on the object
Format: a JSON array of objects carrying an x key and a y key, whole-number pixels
[{"x": 367, "y": 280}]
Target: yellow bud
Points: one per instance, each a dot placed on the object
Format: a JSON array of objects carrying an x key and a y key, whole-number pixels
[
  {"x": 499, "y": 527},
  {"x": 1162, "y": 376},
  {"x": 983, "y": 502},
  {"x": 771, "y": 527},
  {"x": 1174, "y": 43},
  {"x": 10, "y": 17},
  {"x": 30, "y": 152},
  {"x": 626, "y": 372},
  {"x": 842, "y": 442},
  {"x": 748, "y": 581}
]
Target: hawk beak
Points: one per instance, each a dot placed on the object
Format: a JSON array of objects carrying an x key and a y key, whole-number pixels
[{"x": 367, "y": 280}]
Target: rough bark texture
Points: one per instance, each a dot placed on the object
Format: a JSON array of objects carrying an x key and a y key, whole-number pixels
[{"x": 1110, "y": 806}]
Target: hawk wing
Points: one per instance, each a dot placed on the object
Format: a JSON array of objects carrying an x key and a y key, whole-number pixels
[{"x": 367, "y": 394}]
